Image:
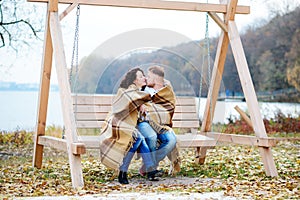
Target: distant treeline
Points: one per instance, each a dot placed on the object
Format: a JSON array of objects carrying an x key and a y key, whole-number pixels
[{"x": 272, "y": 52}]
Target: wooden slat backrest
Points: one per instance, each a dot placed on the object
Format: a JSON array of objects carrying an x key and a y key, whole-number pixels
[{"x": 91, "y": 111}]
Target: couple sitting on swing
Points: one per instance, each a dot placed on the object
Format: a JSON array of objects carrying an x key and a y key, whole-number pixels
[{"x": 141, "y": 121}]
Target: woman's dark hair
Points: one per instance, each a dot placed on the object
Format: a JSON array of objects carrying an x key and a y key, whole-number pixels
[{"x": 130, "y": 77}]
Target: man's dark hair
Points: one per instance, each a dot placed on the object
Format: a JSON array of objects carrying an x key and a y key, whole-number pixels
[{"x": 158, "y": 70}]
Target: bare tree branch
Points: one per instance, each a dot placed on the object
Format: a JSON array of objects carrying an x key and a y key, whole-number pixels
[
  {"x": 1, "y": 13},
  {"x": 21, "y": 21},
  {"x": 2, "y": 40},
  {"x": 8, "y": 21},
  {"x": 7, "y": 32}
]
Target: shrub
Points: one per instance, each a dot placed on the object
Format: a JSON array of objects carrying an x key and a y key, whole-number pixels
[
  {"x": 279, "y": 124},
  {"x": 17, "y": 137}
]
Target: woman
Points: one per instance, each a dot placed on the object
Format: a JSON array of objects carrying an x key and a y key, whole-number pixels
[{"x": 123, "y": 138}]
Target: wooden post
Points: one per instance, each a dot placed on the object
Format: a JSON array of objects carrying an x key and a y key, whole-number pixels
[
  {"x": 218, "y": 69},
  {"x": 53, "y": 5},
  {"x": 65, "y": 95},
  {"x": 43, "y": 95},
  {"x": 216, "y": 78},
  {"x": 250, "y": 95}
]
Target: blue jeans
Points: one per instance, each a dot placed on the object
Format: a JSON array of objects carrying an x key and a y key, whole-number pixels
[
  {"x": 141, "y": 145},
  {"x": 167, "y": 141}
]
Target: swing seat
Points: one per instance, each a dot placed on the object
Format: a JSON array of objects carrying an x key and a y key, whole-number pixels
[{"x": 91, "y": 111}]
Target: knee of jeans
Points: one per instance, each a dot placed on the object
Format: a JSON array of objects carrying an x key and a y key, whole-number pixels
[
  {"x": 172, "y": 140},
  {"x": 146, "y": 130},
  {"x": 152, "y": 137},
  {"x": 151, "y": 141},
  {"x": 142, "y": 125},
  {"x": 172, "y": 143}
]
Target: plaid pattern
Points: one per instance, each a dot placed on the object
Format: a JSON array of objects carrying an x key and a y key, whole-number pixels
[
  {"x": 161, "y": 111},
  {"x": 120, "y": 124}
]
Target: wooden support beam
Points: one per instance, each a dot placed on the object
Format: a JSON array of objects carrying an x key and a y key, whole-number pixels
[
  {"x": 208, "y": 139},
  {"x": 67, "y": 10},
  {"x": 218, "y": 20},
  {"x": 43, "y": 95},
  {"x": 53, "y": 142},
  {"x": 250, "y": 96},
  {"x": 184, "y": 141},
  {"x": 215, "y": 82},
  {"x": 195, "y": 140},
  {"x": 65, "y": 95},
  {"x": 217, "y": 72},
  {"x": 78, "y": 148},
  {"x": 242, "y": 139},
  {"x": 157, "y": 4},
  {"x": 216, "y": 78},
  {"x": 61, "y": 144},
  {"x": 244, "y": 116}
]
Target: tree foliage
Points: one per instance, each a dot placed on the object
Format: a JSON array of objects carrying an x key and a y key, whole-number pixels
[
  {"x": 280, "y": 8},
  {"x": 272, "y": 52},
  {"x": 293, "y": 56}
]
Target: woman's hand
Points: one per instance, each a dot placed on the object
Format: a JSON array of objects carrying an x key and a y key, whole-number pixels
[{"x": 143, "y": 109}]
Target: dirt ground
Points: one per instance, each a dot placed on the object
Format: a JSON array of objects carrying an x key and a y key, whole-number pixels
[
  {"x": 141, "y": 182},
  {"x": 143, "y": 196}
]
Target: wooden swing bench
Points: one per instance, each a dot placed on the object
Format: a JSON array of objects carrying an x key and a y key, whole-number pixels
[{"x": 91, "y": 111}]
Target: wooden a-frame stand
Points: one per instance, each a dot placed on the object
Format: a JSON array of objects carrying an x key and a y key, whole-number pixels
[{"x": 53, "y": 45}]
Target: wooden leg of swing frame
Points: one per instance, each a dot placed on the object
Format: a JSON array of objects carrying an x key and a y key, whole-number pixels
[
  {"x": 43, "y": 96},
  {"x": 251, "y": 98},
  {"x": 65, "y": 94},
  {"x": 201, "y": 155}
]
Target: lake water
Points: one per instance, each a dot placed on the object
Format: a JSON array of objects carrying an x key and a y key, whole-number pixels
[{"x": 19, "y": 110}]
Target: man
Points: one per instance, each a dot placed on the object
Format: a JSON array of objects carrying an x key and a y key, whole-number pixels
[{"x": 157, "y": 122}]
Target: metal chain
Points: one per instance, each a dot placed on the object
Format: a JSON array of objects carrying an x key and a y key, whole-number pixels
[
  {"x": 75, "y": 51},
  {"x": 208, "y": 64},
  {"x": 207, "y": 45},
  {"x": 73, "y": 83}
]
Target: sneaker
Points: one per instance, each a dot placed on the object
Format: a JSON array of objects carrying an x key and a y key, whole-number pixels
[
  {"x": 151, "y": 175},
  {"x": 159, "y": 173}
]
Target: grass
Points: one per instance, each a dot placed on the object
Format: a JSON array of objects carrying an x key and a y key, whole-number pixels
[{"x": 234, "y": 169}]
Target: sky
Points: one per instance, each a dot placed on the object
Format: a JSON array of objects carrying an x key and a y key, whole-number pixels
[{"x": 102, "y": 25}]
